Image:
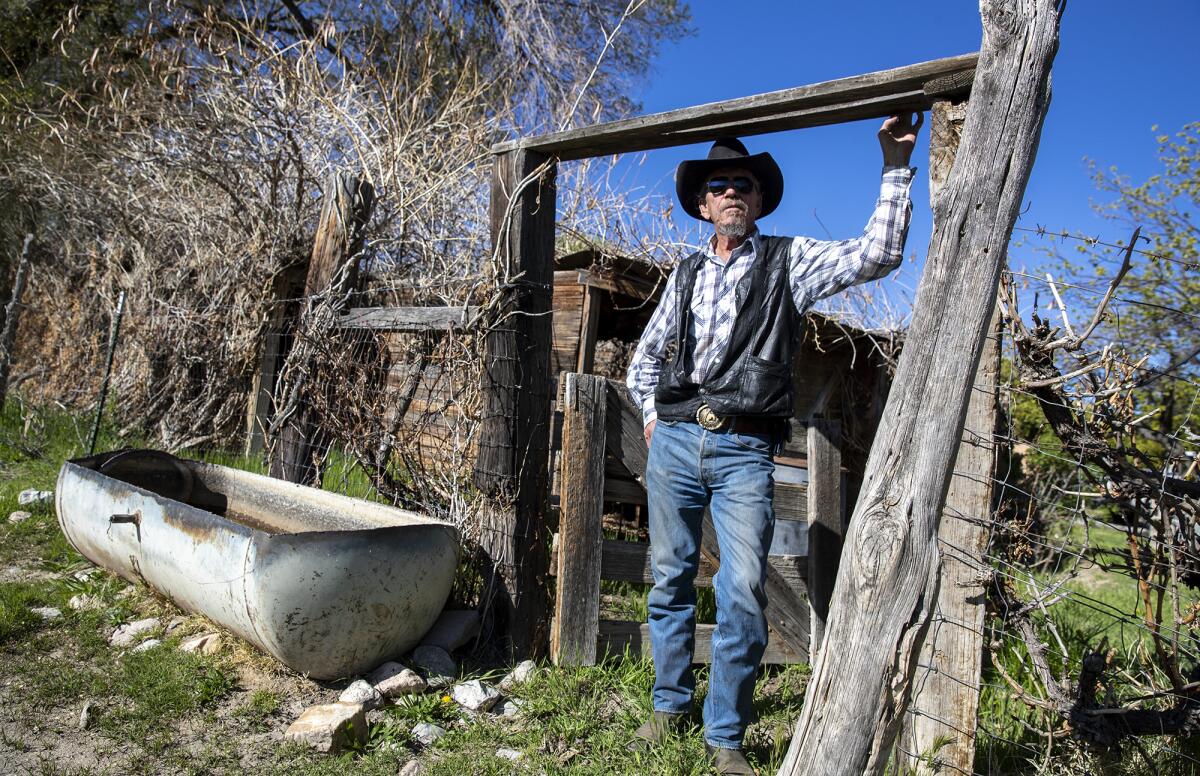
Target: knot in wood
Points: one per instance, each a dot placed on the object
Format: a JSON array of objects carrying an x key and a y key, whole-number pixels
[
  {"x": 877, "y": 548},
  {"x": 1000, "y": 20}
]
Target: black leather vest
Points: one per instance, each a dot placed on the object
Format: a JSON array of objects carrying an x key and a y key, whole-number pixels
[{"x": 753, "y": 377}]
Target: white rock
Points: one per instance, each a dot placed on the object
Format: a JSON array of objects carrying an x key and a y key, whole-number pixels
[
  {"x": 205, "y": 644},
  {"x": 361, "y": 691},
  {"x": 411, "y": 768},
  {"x": 393, "y": 680},
  {"x": 32, "y": 496},
  {"x": 475, "y": 695},
  {"x": 509, "y": 754},
  {"x": 84, "y": 601},
  {"x": 174, "y": 624},
  {"x": 85, "y": 716},
  {"x": 453, "y": 628},
  {"x": 128, "y": 633},
  {"x": 427, "y": 734},
  {"x": 148, "y": 644},
  {"x": 83, "y": 575},
  {"x": 509, "y": 708},
  {"x": 19, "y": 516},
  {"x": 327, "y": 728},
  {"x": 440, "y": 669},
  {"x": 518, "y": 675},
  {"x": 46, "y": 612}
]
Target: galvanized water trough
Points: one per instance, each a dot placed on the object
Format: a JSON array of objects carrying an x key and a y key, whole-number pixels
[{"x": 330, "y": 585}]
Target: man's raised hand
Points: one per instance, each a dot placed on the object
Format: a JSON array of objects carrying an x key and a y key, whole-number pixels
[{"x": 897, "y": 137}]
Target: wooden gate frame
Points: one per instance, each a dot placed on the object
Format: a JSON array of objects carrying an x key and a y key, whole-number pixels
[{"x": 515, "y": 434}]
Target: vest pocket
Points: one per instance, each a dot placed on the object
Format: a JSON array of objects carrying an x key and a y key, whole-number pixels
[{"x": 765, "y": 385}]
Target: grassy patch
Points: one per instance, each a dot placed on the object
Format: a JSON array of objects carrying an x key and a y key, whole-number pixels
[{"x": 16, "y": 619}]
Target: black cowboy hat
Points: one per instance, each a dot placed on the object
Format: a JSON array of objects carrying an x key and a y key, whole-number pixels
[{"x": 728, "y": 152}]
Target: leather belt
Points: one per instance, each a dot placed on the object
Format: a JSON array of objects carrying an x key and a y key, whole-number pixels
[{"x": 711, "y": 421}]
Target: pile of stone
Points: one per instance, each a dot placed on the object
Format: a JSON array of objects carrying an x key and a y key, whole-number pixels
[{"x": 330, "y": 727}]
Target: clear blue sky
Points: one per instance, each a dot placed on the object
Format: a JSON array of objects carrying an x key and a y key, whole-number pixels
[{"x": 1121, "y": 68}]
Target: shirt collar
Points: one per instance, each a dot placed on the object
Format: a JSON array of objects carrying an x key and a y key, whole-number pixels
[{"x": 749, "y": 247}]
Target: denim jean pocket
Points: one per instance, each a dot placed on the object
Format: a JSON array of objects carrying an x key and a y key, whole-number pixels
[{"x": 757, "y": 442}]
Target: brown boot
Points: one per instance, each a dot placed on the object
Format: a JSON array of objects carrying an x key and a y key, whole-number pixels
[
  {"x": 729, "y": 761},
  {"x": 656, "y": 729}
]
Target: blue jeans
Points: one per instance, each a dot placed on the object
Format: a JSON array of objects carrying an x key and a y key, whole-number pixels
[{"x": 688, "y": 469}]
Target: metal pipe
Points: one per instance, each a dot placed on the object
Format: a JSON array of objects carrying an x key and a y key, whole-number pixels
[{"x": 112, "y": 349}]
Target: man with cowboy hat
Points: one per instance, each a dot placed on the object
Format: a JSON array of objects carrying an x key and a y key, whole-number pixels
[{"x": 713, "y": 376}]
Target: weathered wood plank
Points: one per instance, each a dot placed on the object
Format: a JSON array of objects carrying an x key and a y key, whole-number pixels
[
  {"x": 511, "y": 467},
  {"x": 627, "y": 285},
  {"x": 618, "y": 636},
  {"x": 624, "y": 561},
  {"x": 408, "y": 319},
  {"x": 588, "y": 328},
  {"x": 888, "y": 583},
  {"x": 870, "y": 95},
  {"x": 577, "y": 603},
  {"x": 826, "y": 521},
  {"x": 624, "y": 437}
]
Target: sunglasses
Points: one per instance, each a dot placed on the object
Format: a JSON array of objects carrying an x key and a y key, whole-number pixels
[{"x": 717, "y": 186}]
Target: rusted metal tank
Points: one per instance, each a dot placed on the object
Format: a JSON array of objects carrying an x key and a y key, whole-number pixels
[{"x": 331, "y": 586}]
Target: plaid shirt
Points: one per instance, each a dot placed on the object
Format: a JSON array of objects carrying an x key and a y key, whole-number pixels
[{"x": 819, "y": 268}]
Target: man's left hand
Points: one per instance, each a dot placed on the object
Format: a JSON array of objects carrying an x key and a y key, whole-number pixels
[{"x": 897, "y": 137}]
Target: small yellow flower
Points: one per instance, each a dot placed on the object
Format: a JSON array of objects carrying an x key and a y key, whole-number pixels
[{"x": 445, "y": 699}]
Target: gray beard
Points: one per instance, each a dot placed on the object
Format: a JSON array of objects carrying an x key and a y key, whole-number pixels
[{"x": 735, "y": 228}]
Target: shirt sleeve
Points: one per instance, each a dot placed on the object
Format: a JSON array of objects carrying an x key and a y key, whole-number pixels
[
  {"x": 647, "y": 361},
  {"x": 821, "y": 268}
]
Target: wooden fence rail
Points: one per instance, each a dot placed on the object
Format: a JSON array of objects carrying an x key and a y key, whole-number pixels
[{"x": 603, "y": 455}]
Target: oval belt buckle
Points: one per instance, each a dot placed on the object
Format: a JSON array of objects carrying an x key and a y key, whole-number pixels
[{"x": 709, "y": 420}]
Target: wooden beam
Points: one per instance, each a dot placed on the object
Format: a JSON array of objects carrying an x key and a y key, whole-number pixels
[
  {"x": 408, "y": 319},
  {"x": 511, "y": 467},
  {"x": 585, "y": 358},
  {"x": 866, "y": 96},
  {"x": 618, "y": 284},
  {"x": 826, "y": 521},
  {"x": 888, "y": 583},
  {"x": 618, "y": 636},
  {"x": 577, "y": 602},
  {"x": 945, "y": 694}
]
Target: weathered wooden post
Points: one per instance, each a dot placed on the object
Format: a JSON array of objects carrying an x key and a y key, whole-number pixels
[
  {"x": 332, "y": 275},
  {"x": 262, "y": 384},
  {"x": 826, "y": 522},
  {"x": 581, "y": 504},
  {"x": 945, "y": 688},
  {"x": 12, "y": 317},
  {"x": 514, "y": 439},
  {"x": 888, "y": 582}
]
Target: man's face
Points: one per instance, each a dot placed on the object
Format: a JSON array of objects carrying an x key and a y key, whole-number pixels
[{"x": 732, "y": 212}]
